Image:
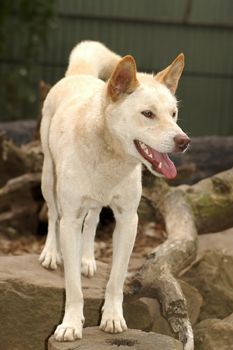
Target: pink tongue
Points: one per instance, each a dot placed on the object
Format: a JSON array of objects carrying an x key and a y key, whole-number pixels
[{"x": 168, "y": 168}]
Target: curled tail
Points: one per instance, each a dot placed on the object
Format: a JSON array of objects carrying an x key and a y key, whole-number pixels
[{"x": 92, "y": 58}]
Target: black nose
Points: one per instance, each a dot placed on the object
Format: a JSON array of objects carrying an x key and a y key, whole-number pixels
[{"x": 181, "y": 142}]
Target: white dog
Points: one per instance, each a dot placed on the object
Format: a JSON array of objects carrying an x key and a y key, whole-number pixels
[{"x": 95, "y": 136}]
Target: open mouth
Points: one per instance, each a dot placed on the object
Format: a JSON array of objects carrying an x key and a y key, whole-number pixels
[{"x": 161, "y": 163}]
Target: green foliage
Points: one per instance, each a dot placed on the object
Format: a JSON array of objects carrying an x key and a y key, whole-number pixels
[{"x": 24, "y": 25}]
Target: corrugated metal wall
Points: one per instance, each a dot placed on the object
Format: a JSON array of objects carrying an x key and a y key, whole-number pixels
[{"x": 154, "y": 32}]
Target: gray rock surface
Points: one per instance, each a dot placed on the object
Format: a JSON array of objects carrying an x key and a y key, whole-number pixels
[
  {"x": 32, "y": 303},
  {"x": 212, "y": 275},
  {"x": 214, "y": 334},
  {"x": 132, "y": 339},
  {"x": 220, "y": 240}
]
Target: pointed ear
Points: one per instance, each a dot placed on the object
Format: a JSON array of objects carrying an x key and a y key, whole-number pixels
[
  {"x": 123, "y": 79},
  {"x": 170, "y": 76}
]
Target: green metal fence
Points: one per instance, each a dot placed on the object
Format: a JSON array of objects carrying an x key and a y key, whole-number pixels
[{"x": 154, "y": 32}]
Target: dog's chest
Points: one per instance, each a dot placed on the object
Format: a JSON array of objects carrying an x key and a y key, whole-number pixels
[{"x": 108, "y": 180}]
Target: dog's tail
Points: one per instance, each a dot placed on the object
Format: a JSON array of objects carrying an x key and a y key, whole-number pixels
[{"x": 92, "y": 58}]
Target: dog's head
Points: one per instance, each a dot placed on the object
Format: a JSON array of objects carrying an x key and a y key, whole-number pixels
[{"x": 142, "y": 114}]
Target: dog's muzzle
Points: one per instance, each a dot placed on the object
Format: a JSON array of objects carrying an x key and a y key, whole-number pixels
[{"x": 181, "y": 142}]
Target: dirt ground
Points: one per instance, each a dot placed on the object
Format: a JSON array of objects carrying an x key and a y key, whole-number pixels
[{"x": 146, "y": 241}]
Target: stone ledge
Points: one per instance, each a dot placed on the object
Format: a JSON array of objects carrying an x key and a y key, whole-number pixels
[
  {"x": 132, "y": 339},
  {"x": 32, "y": 303}
]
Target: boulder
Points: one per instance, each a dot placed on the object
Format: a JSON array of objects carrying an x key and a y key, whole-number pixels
[
  {"x": 212, "y": 275},
  {"x": 214, "y": 334},
  {"x": 32, "y": 303},
  {"x": 220, "y": 240},
  {"x": 133, "y": 339}
]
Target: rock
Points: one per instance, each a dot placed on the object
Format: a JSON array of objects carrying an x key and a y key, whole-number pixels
[
  {"x": 133, "y": 339},
  {"x": 32, "y": 302},
  {"x": 194, "y": 301},
  {"x": 219, "y": 240},
  {"x": 32, "y": 299},
  {"x": 229, "y": 318},
  {"x": 214, "y": 334},
  {"x": 212, "y": 275},
  {"x": 20, "y": 201}
]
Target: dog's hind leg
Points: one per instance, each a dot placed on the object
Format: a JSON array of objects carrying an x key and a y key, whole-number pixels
[
  {"x": 89, "y": 231},
  {"x": 73, "y": 211},
  {"x": 50, "y": 256}
]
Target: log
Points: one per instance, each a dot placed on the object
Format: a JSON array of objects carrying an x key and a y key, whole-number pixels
[
  {"x": 16, "y": 161},
  {"x": 185, "y": 210},
  {"x": 157, "y": 276},
  {"x": 211, "y": 201},
  {"x": 20, "y": 203}
]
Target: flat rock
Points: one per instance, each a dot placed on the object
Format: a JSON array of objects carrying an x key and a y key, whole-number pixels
[
  {"x": 32, "y": 303},
  {"x": 133, "y": 339}
]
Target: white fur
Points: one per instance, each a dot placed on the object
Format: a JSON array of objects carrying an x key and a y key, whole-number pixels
[{"x": 90, "y": 161}]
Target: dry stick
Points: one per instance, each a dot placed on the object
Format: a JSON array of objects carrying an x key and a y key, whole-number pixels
[{"x": 156, "y": 278}]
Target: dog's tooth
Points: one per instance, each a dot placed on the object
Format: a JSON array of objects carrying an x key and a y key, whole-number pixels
[{"x": 160, "y": 165}]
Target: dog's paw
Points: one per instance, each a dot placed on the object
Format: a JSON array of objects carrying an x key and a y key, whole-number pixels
[
  {"x": 50, "y": 258},
  {"x": 88, "y": 267},
  {"x": 68, "y": 333},
  {"x": 113, "y": 323}
]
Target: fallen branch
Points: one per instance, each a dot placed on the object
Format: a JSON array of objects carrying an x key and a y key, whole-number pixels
[
  {"x": 206, "y": 206},
  {"x": 156, "y": 278},
  {"x": 211, "y": 201}
]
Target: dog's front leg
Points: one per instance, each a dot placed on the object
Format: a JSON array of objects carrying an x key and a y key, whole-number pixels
[
  {"x": 123, "y": 242},
  {"x": 71, "y": 245}
]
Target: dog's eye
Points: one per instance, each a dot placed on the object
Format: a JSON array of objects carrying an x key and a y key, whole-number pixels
[
  {"x": 173, "y": 114},
  {"x": 148, "y": 114}
]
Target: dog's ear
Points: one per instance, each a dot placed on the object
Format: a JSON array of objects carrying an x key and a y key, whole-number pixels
[
  {"x": 123, "y": 79},
  {"x": 170, "y": 76}
]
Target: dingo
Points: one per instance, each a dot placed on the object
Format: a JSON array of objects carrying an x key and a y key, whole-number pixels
[{"x": 95, "y": 136}]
